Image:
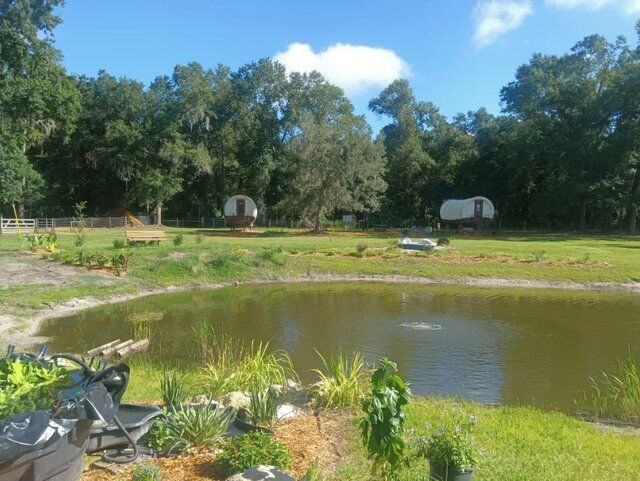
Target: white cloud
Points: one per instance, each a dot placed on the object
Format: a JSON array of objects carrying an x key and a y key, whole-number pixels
[
  {"x": 352, "y": 67},
  {"x": 586, "y": 4},
  {"x": 497, "y": 17},
  {"x": 629, "y": 7}
]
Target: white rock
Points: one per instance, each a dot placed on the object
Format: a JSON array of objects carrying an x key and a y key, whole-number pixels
[
  {"x": 236, "y": 400},
  {"x": 261, "y": 473}
]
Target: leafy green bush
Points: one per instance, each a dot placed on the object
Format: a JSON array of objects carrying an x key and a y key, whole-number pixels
[
  {"x": 119, "y": 243},
  {"x": 27, "y": 386},
  {"x": 233, "y": 365},
  {"x": 190, "y": 427},
  {"x": 146, "y": 472},
  {"x": 449, "y": 444},
  {"x": 342, "y": 382},
  {"x": 263, "y": 407},
  {"x": 273, "y": 255},
  {"x": 383, "y": 424},
  {"x": 253, "y": 449},
  {"x": 178, "y": 239}
]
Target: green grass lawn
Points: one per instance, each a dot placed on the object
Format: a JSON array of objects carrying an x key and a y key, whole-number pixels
[
  {"x": 514, "y": 443},
  {"x": 208, "y": 256},
  {"x": 519, "y": 444}
]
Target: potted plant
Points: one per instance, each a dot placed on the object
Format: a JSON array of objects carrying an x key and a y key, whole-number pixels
[{"x": 449, "y": 449}]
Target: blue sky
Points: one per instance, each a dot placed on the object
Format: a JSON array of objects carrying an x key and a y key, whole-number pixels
[{"x": 456, "y": 53}]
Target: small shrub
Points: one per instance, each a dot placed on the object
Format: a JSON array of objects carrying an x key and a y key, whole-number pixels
[
  {"x": 172, "y": 389},
  {"x": 190, "y": 427},
  {"x": 120, "y": 261},
  {"x": 119, "y": 243},
  {"x": 361, "y": 249},
  {"x": 79, "y": 221},
  {"x": 449, "y": 444},
  {"x": 101, "y": 260},
  {"x": 538, "y": 255},
  {"x": 382, "y": 426},
  {"x": 253, "y": 449},
  {"x": 263, "y": 407},
  {"x": 199, "y": 239},
  {"x": 585, "y": 258},
  {"x": 273, "y": 255},
  {"x": 443, "y": 241},
  {"x": 342, "y": 381},
  {"x": 81, "y": 258},
  {"x": 146, "y": 472},
  {"x": 178, "y": 239}
]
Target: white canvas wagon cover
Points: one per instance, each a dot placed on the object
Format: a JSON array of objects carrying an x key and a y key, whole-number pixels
[
  {"x": 250, "y": 208},
  {"x": 459, "y": 209}
]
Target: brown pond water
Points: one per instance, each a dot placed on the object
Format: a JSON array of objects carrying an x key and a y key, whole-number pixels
[{"x": 492, "y": 345}]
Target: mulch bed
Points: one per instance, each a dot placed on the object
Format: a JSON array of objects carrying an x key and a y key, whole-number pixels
[{"x": 308, "y": 440}]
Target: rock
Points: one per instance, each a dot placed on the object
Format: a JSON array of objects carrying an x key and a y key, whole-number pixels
[
  {"x": 236, "y": 400},
  {"x": 287, "y": 411},
  {"x": 294, "y": 386},
  {"x": 261, "y": 473}
]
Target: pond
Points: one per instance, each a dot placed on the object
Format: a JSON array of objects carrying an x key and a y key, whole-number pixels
[{"x": 494, "y": 345}]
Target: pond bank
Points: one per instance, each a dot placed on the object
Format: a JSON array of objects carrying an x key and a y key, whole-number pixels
[{"x": 22, "y": 328}]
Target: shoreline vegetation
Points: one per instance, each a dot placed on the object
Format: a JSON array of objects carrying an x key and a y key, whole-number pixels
[{"x": 41, "y": 285}]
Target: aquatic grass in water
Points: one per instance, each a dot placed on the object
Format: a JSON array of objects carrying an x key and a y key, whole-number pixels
[
  {"x": 616, "y": 394},
  {"x": 342, "y": 380},
  {"x": 233, "y": 365}
]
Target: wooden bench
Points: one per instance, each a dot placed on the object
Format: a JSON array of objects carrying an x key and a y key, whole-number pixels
[{"x": 144, "y": 236}]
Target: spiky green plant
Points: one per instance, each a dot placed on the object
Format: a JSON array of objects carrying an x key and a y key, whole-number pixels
[
  {"x": 263, "y": 407},
  {"x": 234, "y": 365},
  {"x": 342, "y": 380}
]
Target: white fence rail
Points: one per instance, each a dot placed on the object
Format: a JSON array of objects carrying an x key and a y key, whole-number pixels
[{"x": 14, "y": 226}]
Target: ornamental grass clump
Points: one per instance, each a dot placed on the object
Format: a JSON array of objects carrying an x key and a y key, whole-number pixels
[
  {"x": 449, "y": 445},
  {"x": 235, "y": 365},
  {"x": 342, "y": 380},
  {"x": 184, "y": 429},
  {"x": 263, "y": 407}
]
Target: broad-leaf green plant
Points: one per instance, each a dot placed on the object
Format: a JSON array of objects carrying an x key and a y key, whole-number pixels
[{"x": 382, "y": 426}]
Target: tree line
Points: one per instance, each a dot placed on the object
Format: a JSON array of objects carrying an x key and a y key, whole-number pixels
[{"x": 564, "y": 153}]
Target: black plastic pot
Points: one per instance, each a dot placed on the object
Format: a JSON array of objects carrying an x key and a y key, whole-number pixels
[
  {"x": 242, "y": 423},
  {"x": 137, "y": 420},
  {"x": 440, "y": 472},
  {"x": 59, "y": 460}
]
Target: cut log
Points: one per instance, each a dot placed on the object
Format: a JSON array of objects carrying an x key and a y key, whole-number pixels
[
  {"x": 112, "y": 350},
  {"x": 134, "y": 348},
  {"x": 99, "y": 349}
]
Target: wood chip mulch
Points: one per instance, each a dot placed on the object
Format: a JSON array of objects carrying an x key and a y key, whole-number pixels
[{"x": 307, "y": 439}]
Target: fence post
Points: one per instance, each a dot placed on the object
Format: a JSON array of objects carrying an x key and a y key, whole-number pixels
[
  {"x": 1, "y": 222},
  {"x": 109, "y": 222}
]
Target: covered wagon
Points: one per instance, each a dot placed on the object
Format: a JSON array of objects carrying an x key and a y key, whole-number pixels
[
  {"x": 477, "y": 212},
  {"x": 240, "y": 211}
]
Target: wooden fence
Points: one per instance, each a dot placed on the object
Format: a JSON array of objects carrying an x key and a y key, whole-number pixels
[{"x": 14, "y": 226}]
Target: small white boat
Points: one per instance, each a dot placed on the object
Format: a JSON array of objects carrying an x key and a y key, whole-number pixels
[{"x": 420, "y": 245}]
